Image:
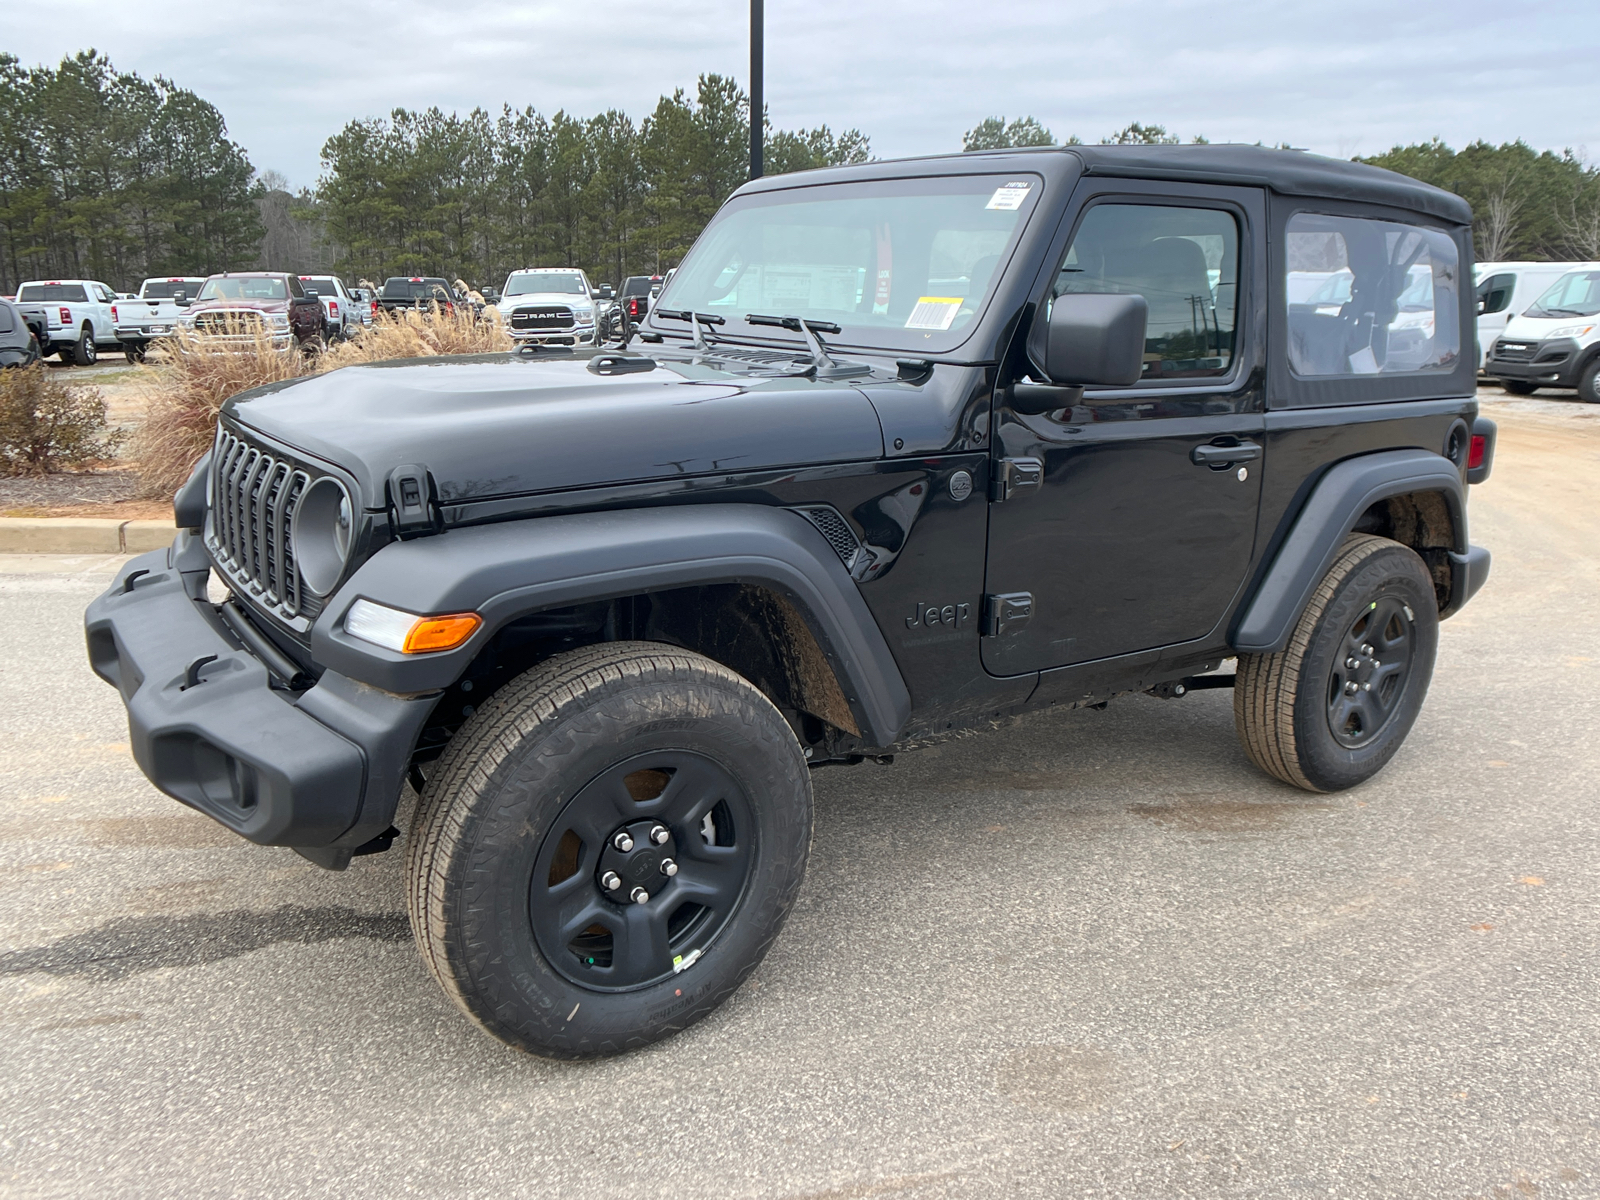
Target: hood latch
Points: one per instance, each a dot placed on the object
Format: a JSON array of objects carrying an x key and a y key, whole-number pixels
[{"x": 412, "y": 504}]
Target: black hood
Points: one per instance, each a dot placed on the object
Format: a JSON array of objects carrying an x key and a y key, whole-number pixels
[{"x": 505, "y": 425}]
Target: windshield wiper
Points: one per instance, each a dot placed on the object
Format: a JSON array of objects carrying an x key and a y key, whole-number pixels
[
  {"x": 1566, "y": 312},
  {"x": 824, "y": 366},
  {"x": 697, "y": 318}
]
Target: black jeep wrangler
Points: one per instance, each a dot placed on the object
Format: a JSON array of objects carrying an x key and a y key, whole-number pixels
[{"x": 904, "y": 449}]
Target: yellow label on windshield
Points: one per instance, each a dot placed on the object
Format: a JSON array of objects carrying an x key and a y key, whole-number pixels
[{"x": 934, "y": 312}]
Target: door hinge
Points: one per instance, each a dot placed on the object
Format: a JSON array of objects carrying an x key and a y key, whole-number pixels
[
  {"x": 1006, "y": 612},
  {"x": 1013, "y": 476}
]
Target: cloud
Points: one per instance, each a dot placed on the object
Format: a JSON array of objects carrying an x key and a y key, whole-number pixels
[{"x": 1351, "y": 78}]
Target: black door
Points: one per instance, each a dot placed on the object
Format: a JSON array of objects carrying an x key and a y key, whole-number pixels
[{"x": 1140, "y": 528}]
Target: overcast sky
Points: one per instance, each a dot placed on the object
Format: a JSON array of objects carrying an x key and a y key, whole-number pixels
[{"x": 1339, "y": 78}]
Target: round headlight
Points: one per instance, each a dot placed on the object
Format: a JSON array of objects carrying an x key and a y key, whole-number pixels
[{"x": 324, "y": 528}]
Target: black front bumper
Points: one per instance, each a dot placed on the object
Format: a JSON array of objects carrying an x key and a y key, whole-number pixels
[
  {"x": 1552, "y": 364},
  {"x": 320, "y": 768}
]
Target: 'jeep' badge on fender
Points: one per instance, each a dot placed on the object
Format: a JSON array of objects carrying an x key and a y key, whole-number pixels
[{"x": 952, "y": 615}]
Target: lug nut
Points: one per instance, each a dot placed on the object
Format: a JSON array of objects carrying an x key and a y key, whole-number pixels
[
  {"x": 611, "y": 881},
  {"x": 1350, "y": 663},
  {"x": 1351, "y": 688},
  {"x": 668, "y": 867},
  {"x": 1367, "y": 650},
  {"x": 639, "y": 895},
  {"x": 1366, "y": 687},
  {"x": 622, "y": 841},
  {"x": 659, "y": 835}
]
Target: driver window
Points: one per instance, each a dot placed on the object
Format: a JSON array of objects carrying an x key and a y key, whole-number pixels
[
  {"x": 295, "y": 289},
  {"x": 1183, "y": 261},
  {"x": 1494, "y": 294}
]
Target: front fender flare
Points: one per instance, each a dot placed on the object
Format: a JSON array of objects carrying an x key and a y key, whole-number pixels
[
  {"x": 506, "y": 570},
  {"x": 1335, "y": 504}
]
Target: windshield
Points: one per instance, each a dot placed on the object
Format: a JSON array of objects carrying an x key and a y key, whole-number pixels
[
  {"x": 253, "y": 287},
  {"x": 566, "y": 283},
  {"x": 1573, "y": 295},
  {"x": 904, "y": 264},
  {"x": 411, "y": 289},
  {"x": 166, "y": 289},
  {"x": 321, "y": 286},
  {"x": 61, "y": 293}
]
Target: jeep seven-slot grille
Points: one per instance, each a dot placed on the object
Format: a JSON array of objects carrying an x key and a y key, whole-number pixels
[{"x": 252, "y": 513}]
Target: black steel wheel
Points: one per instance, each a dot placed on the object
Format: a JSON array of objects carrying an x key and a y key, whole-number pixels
[
  {"x": 642, "y": 870},
  {"x": 1333, "y": 707},
  {"x": 607, "y": 848},
  {"x": 1367, "y": 683}
]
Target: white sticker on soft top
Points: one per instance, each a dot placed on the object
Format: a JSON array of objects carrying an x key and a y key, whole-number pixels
[{"x": 1009, "y": 196}]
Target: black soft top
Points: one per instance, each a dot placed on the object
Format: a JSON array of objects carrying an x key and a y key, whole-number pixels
[{"x": 1288, "y": 172}]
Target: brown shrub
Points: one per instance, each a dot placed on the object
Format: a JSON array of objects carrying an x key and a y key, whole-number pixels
[
  {"x": 47, "y": 424},
  {"x": 413, "y": 334},
  {"x": 200, "y": 375},
  {"x": 185, "y": 393}
]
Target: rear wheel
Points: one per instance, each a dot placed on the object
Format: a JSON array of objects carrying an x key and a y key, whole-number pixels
[
  {"x": 1331, "y": 709},
  {"x": 83, "y": 350},
  {"x": 134, "y": 353},
  {"x": 1589, "y": 383},
  {"x": 1518, "y": 387},
  {"x": 608, "y": 848}
]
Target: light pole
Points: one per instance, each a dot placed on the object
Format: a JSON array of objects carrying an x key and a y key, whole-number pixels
[{"x": 757, "y": 103}]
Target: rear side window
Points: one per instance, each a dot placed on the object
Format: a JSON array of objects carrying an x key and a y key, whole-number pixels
[
  {"x": 1386, "y": 299},
  {"x": 1494, "y": 294},
  {"x": 1184, "y": 261},
  {"x": 59, "y": 293},
  {"x": 8, "y": 323}
]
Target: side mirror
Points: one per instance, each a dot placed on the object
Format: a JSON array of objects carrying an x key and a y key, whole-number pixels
[{"x": 1096, "y": 340}]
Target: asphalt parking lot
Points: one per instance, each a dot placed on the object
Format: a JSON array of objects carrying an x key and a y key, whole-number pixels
[{"x": 1091, "y": 954}]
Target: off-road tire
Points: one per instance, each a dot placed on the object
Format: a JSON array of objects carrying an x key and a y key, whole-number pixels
[
  {"x": 84, "y": 351},
  {"x": 1589, "y": 382},
  {"x": 1518, "y": 388},
  {"x": 1281, "y": 701},
  {"x": 503, "y": 785}
]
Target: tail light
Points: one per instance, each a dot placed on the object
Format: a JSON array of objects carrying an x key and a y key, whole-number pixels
[
  {"x": 1476, "y": 451},
  {"x": 66, "y": 316},
  {"x": 633, "y": 306},
  {"x": 113, "y": 314},
  {"x": 333, "y": 308}
]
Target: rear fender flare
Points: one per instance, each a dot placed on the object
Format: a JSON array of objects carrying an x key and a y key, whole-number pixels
[
  {"x": 507, "y": 570},
  {"x": 1334, "y": 505}
]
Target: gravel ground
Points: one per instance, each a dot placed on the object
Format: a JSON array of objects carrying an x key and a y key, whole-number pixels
[{"x": 1092, "y": 954}]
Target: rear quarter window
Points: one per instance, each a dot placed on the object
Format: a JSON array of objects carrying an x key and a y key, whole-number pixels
[{"x": 1370, "y": 298}]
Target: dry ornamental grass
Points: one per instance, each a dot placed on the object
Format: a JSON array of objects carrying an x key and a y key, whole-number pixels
[{"x": 203, "y": 372}]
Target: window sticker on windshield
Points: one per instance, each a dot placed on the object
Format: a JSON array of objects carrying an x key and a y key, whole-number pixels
[
  {"x": 934, "y": 312},
  {"x": 1009, "y": 196}
]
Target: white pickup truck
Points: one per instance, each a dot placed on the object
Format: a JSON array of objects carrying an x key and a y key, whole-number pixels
[
  {"x": 153, "y": 313},
  {"x": 78, "y": 316},
  {"x": 340, "y": 315}
]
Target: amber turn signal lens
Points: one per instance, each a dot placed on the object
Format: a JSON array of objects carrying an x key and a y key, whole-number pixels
[{"x": 441, "y": 633}]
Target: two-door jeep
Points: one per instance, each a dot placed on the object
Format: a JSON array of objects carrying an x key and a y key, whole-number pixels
[{"x": 903, "y": 449}]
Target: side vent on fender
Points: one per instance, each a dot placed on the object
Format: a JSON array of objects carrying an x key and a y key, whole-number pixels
[{"x": 828, "y": 521}]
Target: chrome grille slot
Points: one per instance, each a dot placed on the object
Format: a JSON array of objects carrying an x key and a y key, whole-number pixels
[{"x": 252, "y": 518}]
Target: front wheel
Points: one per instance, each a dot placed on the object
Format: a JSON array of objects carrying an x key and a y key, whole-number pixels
[
  {"x": 1589, "y": 383},
  {"x": 1328, "y": 711},
  {"x": 1518, "y": 387},
  {"x": 608, "y": 848}
]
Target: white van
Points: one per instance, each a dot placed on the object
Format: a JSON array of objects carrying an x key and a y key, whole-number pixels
[
  {"x": 1505, "y": 289},
  {"x": 1555, "y": 342}
]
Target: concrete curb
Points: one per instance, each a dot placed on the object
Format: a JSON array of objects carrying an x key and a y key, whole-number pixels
[{"x": 82, "y": 535}]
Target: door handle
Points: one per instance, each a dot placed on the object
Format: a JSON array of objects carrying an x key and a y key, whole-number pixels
[{"x": 1224, "y": 456}]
